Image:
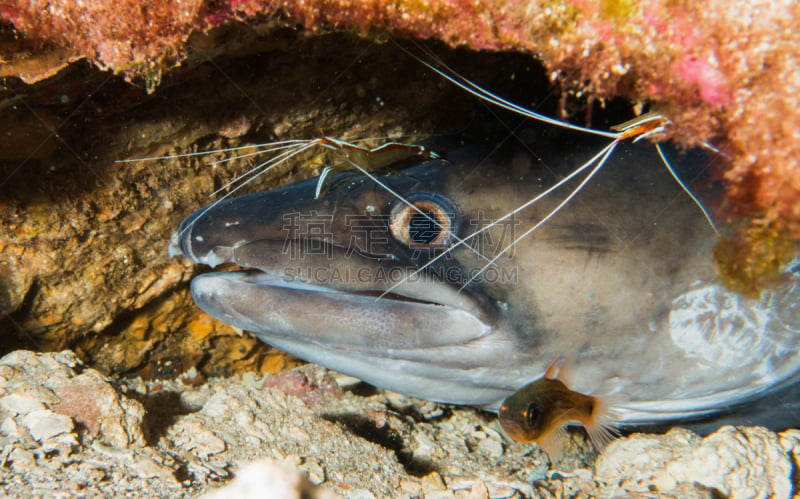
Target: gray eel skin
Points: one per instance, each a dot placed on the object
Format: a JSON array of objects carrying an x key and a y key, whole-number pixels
[{"x": 621, "y": 282}]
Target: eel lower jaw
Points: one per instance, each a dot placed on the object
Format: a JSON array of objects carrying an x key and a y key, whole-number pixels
[{"x": 356, "y": 320}]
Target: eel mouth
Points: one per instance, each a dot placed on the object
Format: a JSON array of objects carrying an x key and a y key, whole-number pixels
[{"x": 355, "y": 311}]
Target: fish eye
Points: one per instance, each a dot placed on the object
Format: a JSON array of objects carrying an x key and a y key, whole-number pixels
[
  {"x": 532, "y": 414},
  {"x": 427, "y": 221}
]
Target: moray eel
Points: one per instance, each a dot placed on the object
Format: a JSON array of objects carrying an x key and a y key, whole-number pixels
[{"x": 621, "y": 281}]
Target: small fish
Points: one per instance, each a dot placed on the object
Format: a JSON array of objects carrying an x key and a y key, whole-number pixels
[{"x": 540, "y": 411}]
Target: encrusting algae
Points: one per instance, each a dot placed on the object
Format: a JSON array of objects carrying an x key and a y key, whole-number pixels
[{"x": 755, "y": 258}]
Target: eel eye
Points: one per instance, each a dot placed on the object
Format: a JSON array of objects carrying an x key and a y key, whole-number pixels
[
  {"x": 427, "y": 221},
  {"x": 532, "y": 415}
]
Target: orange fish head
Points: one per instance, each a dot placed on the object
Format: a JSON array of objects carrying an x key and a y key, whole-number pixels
[{"x": 530, "y": 414}]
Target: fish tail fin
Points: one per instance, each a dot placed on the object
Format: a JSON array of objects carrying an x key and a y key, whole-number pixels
[{"x": 601, "y": 426}]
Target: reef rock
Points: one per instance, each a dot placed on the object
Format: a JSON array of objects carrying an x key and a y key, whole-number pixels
[
  {"x": 51, "y": 396},
  {"x": 321, "y": 443},
  {"x": 737, "y": 462}
]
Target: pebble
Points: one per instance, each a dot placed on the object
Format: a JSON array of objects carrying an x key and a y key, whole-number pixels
[
  {"x": 20, "y": 404},
  {"x": 359, "y": 494},
  {"x": 433, "y": 481},
  {"x": 202, "y": 442},
  {"x": 147, "y": 468},
  {"x": 313, "y": 466},
  {"x": 44, "y": 424},
  {"x": 492, "y": 447},
  {"x": 440, "y": 494}
]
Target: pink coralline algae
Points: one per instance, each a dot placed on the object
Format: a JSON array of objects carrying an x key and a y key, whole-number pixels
[
  {"x": 723, "y": 72},
  {"x": 711, "y": 83},
  {"x": 123, "y": 35}
]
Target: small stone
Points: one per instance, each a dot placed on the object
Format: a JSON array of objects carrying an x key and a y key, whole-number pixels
[
  {"x": 424, "y": 447},
  {"x": 491, "y": 447},
  {"x": 313, "y": 466},
  {"x": 110, "y": 451},
  {"x": 19, "y": 404},
  {"x": 67, "y": 358},
  {"x": 147, "y": 468},
  {"x": 346, "y": 382},
  {"x": 21, "y": 458},
  {"x": 430, "y": 410},
  {"x": 201, "y": 442},
  {"x": 433, "y": 481},
  {"x": 440, "y": 494},
  {"x": 359, "y": 494},
  {"x": 89, "y": 474},
  {"x": 252, "y": 380},
  {"x": 398, "y": 401},
  {"x": 410, "y": 487},
  {"x": 193, "y": 401},
  {"x": 477, "y": 491},
  {"x": 189, "y": 375},
  {"x": 9, "y": 428},
  {"x": 61, "y": 444},
  {"x": 501, "y": 491},
  {"x": 460, "y": 482},
  {"x": 45, "y": 424}
]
